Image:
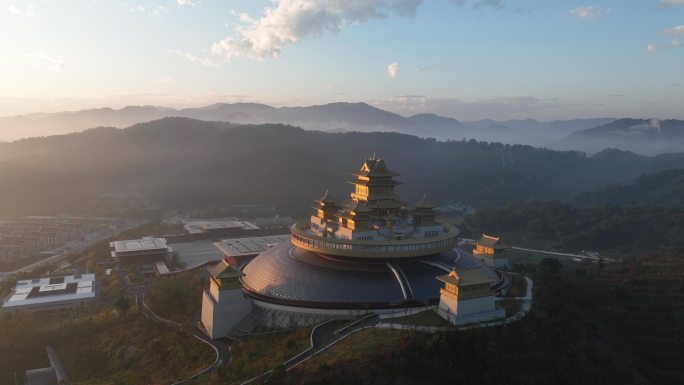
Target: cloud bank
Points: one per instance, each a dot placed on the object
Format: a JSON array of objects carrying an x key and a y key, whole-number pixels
[
  {"x": 589, "y": 12},
  {"x": 287, "y": 22},
  {"x": 678, "y": 30},
  {"x": 45, "y": 61},
  {"x": 670, "y": 3}
]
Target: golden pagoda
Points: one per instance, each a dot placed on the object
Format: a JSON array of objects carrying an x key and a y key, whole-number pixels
[
  {"x": 376, "y": 217},
  {"x": 374, "y": 186}
]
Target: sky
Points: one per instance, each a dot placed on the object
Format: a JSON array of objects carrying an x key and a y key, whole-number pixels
[{"x": 467, "y": 59}]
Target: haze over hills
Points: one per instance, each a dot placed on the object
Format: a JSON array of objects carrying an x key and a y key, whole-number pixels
[
  {"x": 646, "y": 136},
  {"x": 336, "y": 117},
  {"x": 181, "y": 162},
  {"x": 665, "y": 188}
]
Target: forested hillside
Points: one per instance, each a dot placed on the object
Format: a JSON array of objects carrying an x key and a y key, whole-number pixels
[
  {"x": 178, "y": 162},
  {"x": 663, "y": 188}
]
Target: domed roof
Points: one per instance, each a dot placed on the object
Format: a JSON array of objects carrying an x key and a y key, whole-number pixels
[{"x": 288, "y": 275}]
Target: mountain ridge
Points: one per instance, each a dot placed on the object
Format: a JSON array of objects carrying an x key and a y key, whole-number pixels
[{"x": 182, "y": 162}]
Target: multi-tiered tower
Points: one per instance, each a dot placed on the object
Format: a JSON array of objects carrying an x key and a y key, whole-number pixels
[{"x": 375, "y": 213}]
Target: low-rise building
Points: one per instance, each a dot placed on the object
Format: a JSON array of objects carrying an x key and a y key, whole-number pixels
[
  {"x": 217, "y": 229},
  {"x": 141, "y": 251},
  {"x": 467, "y": 297},
  {"x": 492, "y": 251},
  {"x": 51, "y": 293}
]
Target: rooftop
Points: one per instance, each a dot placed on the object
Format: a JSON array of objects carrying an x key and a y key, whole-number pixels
[
  {"x": 223, "y": 269},
  {"x": 51, "y": 289},
  {"x": 490, "y": 241},
  {"x": 467, "y": 277},
  {"x": 239, "y": 247},
  {"x": 197, "y": 227},
  {"x": 145, "y": 244}
]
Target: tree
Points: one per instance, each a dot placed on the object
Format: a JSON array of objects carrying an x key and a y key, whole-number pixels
[
  {"x": 123, "y": 304},
  {"x": 550, "y": 266},
  {"x": 278, "y": 376}
]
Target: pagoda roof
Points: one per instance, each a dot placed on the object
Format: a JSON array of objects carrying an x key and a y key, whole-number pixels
[
  {"x": 326, "y": 198},
  {"x": 375, "y": 167},
  {"x": 388, "y": 204},
  {"x": 424, "y": 203},
  {"x": 325, "y": 201},
  {"x": 466, "y": 277},
  {"x": 375, "y": 182},
  {"x": 490, "y": 241},
  {"x": 223, "y": 269},
  {"x": 357, "y": 207}
]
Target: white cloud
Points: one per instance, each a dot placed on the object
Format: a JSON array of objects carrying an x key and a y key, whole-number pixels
[
  {"x": 393, "y": 70},
  {"x": 148, "y": 11},
  {"x": 670, "y": 3},
  {"x": 28, "y": 12},
  {"x": 678, "y": 30},
  {"x": 651, "y": 48},
  {"x": 329, "y": 85},
  {"x": 589, "y": 12},
  {"x": 287, "y": 22},
  {"x": 676, "y": 42},
  {"x": 45, "y": 61},
  {"x": 205, "y": 61},
  {"x": 192, "y": 3},
  {"x": 489, "y": 3},
  {"x": 168, "y": 80},
  {"x": 406, "y": 7},
  {"x": 480, "y": 3}
]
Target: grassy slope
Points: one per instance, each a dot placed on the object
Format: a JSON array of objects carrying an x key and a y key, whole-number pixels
[
  {"x": 107, "y": 349},
  {"x": 621, "y": 324},
  {"x": 260, "y": 354}
]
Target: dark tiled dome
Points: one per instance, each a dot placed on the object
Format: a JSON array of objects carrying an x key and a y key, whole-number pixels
[{"x": 291, "y": 276}]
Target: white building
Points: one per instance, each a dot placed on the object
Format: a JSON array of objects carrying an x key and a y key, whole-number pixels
[
  {"x": 52, "y": 293},
  {"x": 224, "y": 305},
  {"x": 141, "y": 251},
  {"x": 467, "y": 298}
]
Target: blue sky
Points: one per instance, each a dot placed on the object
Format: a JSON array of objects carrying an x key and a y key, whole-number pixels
[{"x": 468, "y": 59}]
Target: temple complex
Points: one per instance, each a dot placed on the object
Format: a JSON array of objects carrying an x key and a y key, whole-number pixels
[{"x": 370, "y": 253}]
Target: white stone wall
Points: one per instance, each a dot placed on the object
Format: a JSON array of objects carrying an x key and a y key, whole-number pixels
[
  {"x": 461, "y": 312},
  {"x": 220, "y": 315}
]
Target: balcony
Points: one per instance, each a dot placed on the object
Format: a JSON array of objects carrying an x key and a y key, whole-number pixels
[{"x": 385, "y": 249}]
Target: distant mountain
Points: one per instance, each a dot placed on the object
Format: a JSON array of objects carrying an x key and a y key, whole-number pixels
[
  {"x": 337, "y": 117},
  {"x": 44, "y": 124},
  {"x": 636, "y": 129},
  {"x": 334, "y": 116},
  {"x": 439, "y": 125},
  {"x": 665, "y": 188},
  {"x": 547, "y": 129},
  {"x": 645, "y": 136},
  {"x": 182, "y": 162},
  {"x": 556, "y": 126},
  {"x": 530, "y": 131},
  {"x": 350, "y": 116}
]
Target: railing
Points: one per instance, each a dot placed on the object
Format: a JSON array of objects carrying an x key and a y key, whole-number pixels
[{"x": 405, "y": 248}]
